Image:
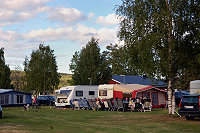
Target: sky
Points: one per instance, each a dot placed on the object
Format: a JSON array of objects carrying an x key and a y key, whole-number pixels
[{"x": 65, "y": 25}]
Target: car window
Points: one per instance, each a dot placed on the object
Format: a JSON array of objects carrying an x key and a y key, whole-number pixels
[
  {"x": 51, "y": 97},
  {"x": 42, "y": 98},
  {"x": 190, "y": 100}
]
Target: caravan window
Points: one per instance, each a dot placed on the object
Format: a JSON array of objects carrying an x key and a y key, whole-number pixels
[
  {"x": 79, "y": 93},
  {"x": 91, "y": 92},
  {"x": 103, "y": 93},
  {"x": 19, "y": 98}
]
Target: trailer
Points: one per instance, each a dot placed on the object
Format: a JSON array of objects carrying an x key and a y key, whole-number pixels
[
  {"x": 65, "y": 94},
  {"x": 195, "y": 87}
]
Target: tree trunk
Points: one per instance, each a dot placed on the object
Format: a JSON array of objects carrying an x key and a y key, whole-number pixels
[
  {"x": 171, "y": 97},
  {"x": 171, "y": 92}
]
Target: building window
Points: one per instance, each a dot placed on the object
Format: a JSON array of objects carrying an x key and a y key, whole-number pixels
[
  {"x": 79, "y": 93},
  {"x": 103, "y": 93},
  {"x": 20, "y": 98},
  {"x": 4, "y": 99},
  {"x": 91, "y": 92}
]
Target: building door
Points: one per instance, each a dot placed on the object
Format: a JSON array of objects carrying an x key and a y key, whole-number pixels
[{"x": 154, "y": 98}]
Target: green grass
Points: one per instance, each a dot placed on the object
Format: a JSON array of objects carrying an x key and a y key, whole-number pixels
[{"x": 66, "y": 120}]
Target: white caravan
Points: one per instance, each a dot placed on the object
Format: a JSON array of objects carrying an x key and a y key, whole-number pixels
[
  {"x": 65, "y": 94},
  {"x": 195, "y": 87}
]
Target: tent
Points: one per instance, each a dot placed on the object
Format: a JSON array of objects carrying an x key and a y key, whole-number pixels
[{"x": 157, "y": 96}]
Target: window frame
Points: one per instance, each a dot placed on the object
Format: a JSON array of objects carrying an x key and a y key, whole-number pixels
[{"x": 77, "y": 93}]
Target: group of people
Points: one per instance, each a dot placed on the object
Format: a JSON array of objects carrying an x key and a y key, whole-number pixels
[
  {"x": 133, "y": 103},
  {"x": 102, "y": 104}
]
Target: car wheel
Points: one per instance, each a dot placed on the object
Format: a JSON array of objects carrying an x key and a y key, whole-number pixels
[{"x": 189, "y": 117}]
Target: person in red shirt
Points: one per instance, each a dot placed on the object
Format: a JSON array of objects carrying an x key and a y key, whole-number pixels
[{"x": 35, "y": 102}]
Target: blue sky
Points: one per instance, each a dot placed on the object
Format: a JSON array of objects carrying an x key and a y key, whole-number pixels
[{"x": 65, "y": 25}]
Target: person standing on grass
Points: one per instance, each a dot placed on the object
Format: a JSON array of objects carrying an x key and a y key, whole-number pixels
[{"x": 35, "y": 102}]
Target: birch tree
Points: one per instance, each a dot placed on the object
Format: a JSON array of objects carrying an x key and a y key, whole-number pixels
[{"x": 157, "y": 32}]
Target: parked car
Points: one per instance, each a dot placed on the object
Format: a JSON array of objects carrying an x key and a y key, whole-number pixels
[
  {"x": 179, "y": 94},
  {"x": 189, "y": 106},
  {"x": 46, "y": 100},
  {"x": 0, "y": 112}
]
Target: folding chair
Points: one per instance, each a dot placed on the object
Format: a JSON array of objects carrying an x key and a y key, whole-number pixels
[
  {"x": 85, "y": 103},
  {"x": 138, "y": 107},
  {"x": 147, "y": 106},
  {"x": 120, "y": 104},
  {"x": 80, "y": 104},
  {"x": 115, "y": 104},
  {"x": 110, "y": 105}
]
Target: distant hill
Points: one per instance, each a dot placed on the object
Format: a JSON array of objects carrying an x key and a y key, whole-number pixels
[
  {"x": 64, "y": 79},
  {"x": 17, "y": 75}
]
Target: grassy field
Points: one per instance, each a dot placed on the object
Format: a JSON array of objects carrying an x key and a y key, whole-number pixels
[{"x": 66, "y": 120}]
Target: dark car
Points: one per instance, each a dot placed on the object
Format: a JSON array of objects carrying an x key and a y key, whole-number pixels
[
  {"x": 179, "y": 94},
  {"x": 46, "y": 100},
  {"x": 0, "y": 112},
  {"x": 189, "y": 106}
]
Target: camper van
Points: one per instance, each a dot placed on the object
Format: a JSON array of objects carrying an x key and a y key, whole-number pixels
[
  {"x": 65, "y": 94},
  {"x": 195, "y": 87}
]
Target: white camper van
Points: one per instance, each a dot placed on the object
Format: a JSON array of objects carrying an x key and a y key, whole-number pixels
[
  {"x": 195, "y": 87},
  {"x": 65, "y": 94}
]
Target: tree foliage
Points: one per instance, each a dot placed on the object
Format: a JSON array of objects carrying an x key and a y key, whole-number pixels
[
  {"x": 4, "y": 72},
  {"x": 41, "y": 70},
  {"x": 162, "y": 38},
  {"x": 89, "y": 66},
  {"x": 17, "y": 79},
  {"x": 118, "y": 58}
]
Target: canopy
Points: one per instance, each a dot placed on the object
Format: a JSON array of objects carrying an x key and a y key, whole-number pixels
[{"x": 129, "y": 88}]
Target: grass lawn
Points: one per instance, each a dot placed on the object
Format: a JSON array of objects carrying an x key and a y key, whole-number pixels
[{"x": 67, "y": 120}]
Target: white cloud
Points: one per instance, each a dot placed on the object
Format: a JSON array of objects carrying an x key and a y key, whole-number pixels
[
  {"x": 65, "y": 15},
  {"x": 13, "y": 11},
  {"x": 78, "y": 33},
  {"x": 108, "y": 20},
  {"x": 22, "y": 5},
  {"x": 91, "y": 15}
]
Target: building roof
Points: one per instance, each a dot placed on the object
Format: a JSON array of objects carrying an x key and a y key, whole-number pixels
[
  {"x": 142, "y": 80},
  {"x": 11, "y": 90},
  {"x": 5, "y": 90}
]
